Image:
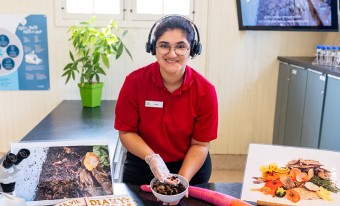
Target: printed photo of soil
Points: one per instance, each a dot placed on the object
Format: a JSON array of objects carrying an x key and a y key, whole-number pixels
[
  {"x": 75, "y": 171},
  {"x": 58, "y": 170}
]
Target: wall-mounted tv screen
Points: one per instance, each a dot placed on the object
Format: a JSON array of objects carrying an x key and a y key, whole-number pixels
[{"x": 288, "y": 15}]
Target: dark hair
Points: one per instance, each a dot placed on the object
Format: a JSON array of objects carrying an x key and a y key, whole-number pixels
[{"x": 175, "y": 22}]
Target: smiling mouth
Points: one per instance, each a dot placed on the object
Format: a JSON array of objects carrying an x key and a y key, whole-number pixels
[{"x": 171, "y": 61}]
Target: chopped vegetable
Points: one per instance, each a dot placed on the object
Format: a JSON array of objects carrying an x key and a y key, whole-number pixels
[
  {"x": 294, "y": 172},
  {"x": 324, "y": 194},
  {"x": 302, "y": 177},
  {"x": 311, "y": 186},
  {"x": 273, "y": 184},
  {"x": 267, "y": 191},
  {"x": 280, "y": 192},
  {"x": 91, "y": 161},
  {"x": 325, "y": 183},
  {"x": 271, "y": 176},
  {"x": 272, "y": 169},
  {"x": 102, "y": 152},
  {"x": 292, "y": 195}
]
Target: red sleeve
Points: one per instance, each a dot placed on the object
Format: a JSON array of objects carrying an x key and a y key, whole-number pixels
[
  {"x": 206, "y": 122},
  {"x": 126, "y": 111}
]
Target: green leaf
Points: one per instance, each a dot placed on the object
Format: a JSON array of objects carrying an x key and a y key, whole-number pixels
[
  {"x": 66, "y": 73},
  {"x": 82, "y": 79},
  {"x": 71, "y": 56},
  {"x": 101, "y": 70},
  {"x": 74, "y": 67},
  {"x": 112, "y": 39},
  {"x": 119, "y": 50},
  {"x": 88, "y": 74},
  {"x": 125, "y": 33},
  {"x": 114, "y": 48},
  {"x": 113, "y": 24},
  {"x": 97, "y": 77},
  {"x": 127, "y": 51},
  {"x": 92, "y": 48},
  {"x": 67, "y": 79},
  {"x": 68, "y": 66},
  {"x": 83, "y": 23},
  {"x": 106, "y": 60},
  {"x": 92, "y": 19},
  {"x": 96, "y": 58},
  {"x": 73, "y": 75}
]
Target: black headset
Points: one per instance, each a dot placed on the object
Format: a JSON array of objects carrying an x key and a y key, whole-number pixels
[{"x": 195, "y": 46}]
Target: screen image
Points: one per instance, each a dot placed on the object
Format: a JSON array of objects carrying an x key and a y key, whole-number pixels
[{"x": 313, "y": 15}]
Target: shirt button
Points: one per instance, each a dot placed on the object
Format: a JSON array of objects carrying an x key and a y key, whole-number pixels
[{"x": 167, "y": 109}]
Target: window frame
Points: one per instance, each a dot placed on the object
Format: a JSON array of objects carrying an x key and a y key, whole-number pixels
[
  {"x": 66, "y": 19},
  {"x": 152, "y": 17},
  {"x": 127, "y": 18}
]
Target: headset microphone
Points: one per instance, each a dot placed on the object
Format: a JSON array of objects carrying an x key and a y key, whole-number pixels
[{"x": 195, "y": 45}]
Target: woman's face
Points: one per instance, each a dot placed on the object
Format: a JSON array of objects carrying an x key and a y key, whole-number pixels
[{"x": 172, "y": 63}]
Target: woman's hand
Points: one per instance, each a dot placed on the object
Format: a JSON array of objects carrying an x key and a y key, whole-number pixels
[{"x": 158, "y": 168}]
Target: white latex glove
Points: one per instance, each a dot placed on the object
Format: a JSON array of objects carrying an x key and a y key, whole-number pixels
[{"x": 158, "y": 167}]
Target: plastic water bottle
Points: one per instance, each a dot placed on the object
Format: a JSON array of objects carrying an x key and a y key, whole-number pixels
[
  {"x": 328, "y": 55},
  {"x": 318, "y": 54},
  {"x": 338, "y": 57},
  {"x": 333, "y": 55},
  {"x": 323, "y": 55}
]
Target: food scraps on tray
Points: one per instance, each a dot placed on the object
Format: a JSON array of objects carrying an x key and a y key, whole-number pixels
[{"x": 300, "y": 179}]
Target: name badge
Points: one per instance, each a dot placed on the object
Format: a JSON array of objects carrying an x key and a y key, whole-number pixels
[{"x": 155, "y": 104}]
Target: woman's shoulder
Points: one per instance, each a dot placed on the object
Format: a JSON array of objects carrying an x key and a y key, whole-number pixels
[{"x": 199, "y": 78}]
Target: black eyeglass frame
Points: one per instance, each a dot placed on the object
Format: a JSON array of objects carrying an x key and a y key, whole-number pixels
[{"x": 173, "y": 48}]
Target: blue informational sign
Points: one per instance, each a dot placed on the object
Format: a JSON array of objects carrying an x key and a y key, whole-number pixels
[{"x": 24, "y": 53}]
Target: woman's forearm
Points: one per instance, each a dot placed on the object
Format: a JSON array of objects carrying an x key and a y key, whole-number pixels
[{"x": 194, "y": 159}]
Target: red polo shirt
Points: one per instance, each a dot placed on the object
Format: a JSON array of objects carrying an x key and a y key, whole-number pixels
[{"x": 167, "y": 121}]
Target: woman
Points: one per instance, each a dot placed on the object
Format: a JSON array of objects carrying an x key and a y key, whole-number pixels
[{"x": 166, "y": 112}]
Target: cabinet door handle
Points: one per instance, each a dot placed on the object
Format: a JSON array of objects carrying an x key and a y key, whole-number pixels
[
  {"x": 294, "y": 71},
  {"x": 322, "y": 77}
]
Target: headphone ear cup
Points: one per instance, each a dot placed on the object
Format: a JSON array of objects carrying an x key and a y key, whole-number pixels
[
  {"x": 153, "y": 47},
  {"x": 193, "y": 48},
  {"x": 198, "y": 49},
  {"x": 147, "y": 47}
]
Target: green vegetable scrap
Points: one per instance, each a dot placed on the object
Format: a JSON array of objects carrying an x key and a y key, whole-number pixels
[
  {"x": 102, "y": 152},
  {"x": 280, "y": 192},
  {"x": 325, "y": 183}
]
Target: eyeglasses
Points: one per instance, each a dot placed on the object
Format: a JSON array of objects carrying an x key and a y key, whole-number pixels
[{"x": 180, "y": 49}]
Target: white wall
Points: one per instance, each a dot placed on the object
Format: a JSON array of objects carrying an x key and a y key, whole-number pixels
[
  {"x": 20, "y": 111},
  {"x": 242, "y": 65}
]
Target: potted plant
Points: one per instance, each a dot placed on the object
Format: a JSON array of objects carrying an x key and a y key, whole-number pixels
[{"x": 92, "y": 46}]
